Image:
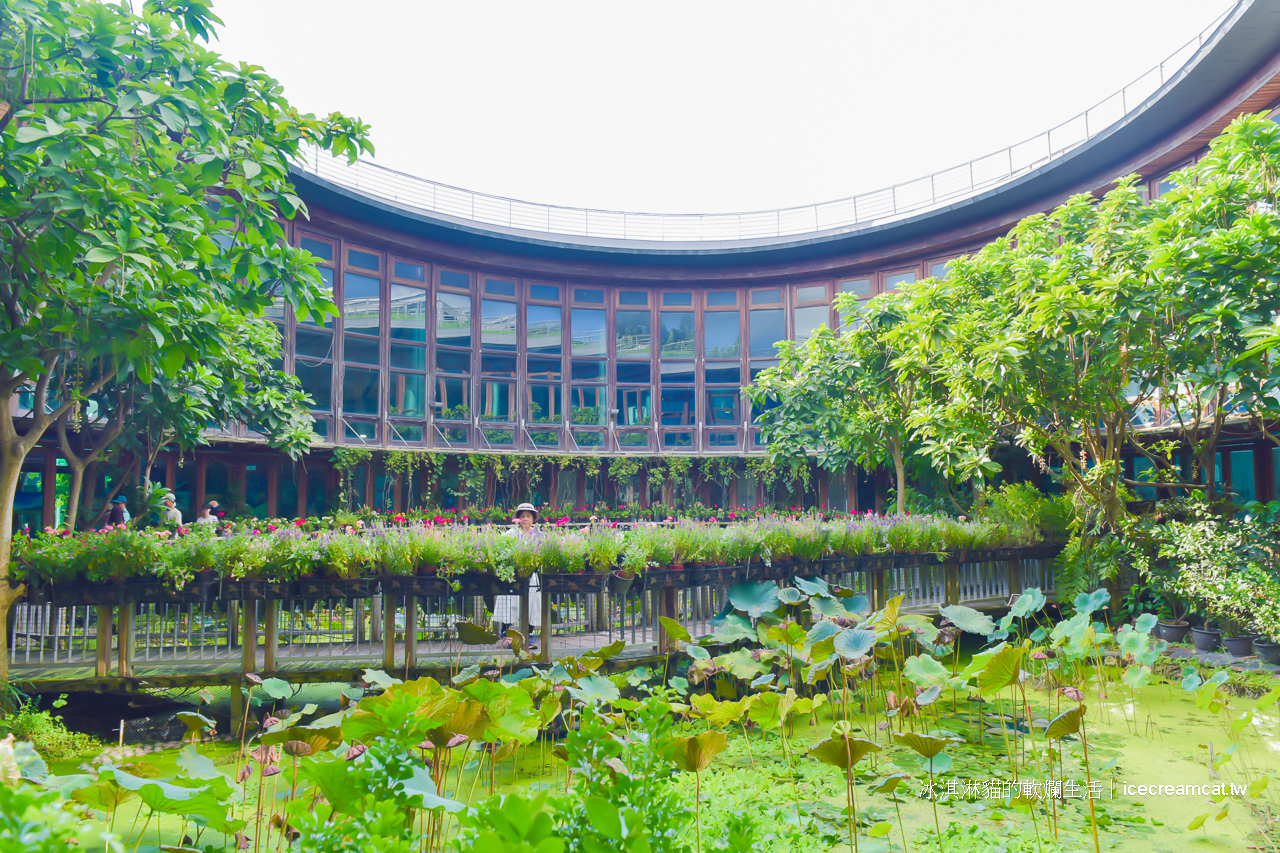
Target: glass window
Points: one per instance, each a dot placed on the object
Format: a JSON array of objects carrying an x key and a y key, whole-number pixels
[
  {"x": 363, "y": 260},
  {"x": 453, "y": 435},
  {"x": 452, "y": 399},
  {"x": 408, "y": 395},
  {"x": 587, "y": 405},
  {"x": 408, "y": 313},
  {"x": 634, "y": 406},
  {"x": 940, "y": 269},
  {"x": 589, "y": 371},
  {"x": 679, "y": 407},
  {"x": 633, "y": 297},
  {"x": 634, "y": 372},
  {"x": 582, "y": 294},
  {"x": 812, "y": 293},
  {"x": 544, "y": 437},
  {"x": 767, "y": 328},
  {"x": 545, "y": 403},
  {"x": 453, "y": 362},
  {"x": 677, "y": 299},
  {"x": 857, "y": 286},
  {"x": 545, "y": 292},
  {"x": 498, "y": 325},
  {"x": 362, "y": 429},
  {"x": 588, "y": 439},
  {"x": 317, "y": 248},
  {"x": 897, "y": 279},
  {"x": 723, "y": 297},
  {"x": 544, "y": 368},
  {"x": 634, "y": 440},
  {"x": 408, "y": 433},
  {"x": 677, "y": 439},
  {"x": 359, "y": 391},
  {"x": 363, "y": 350},
  {"x": 458, "y": 280},
  {"x": 408, "y": 357},
  {"x": 586, "y": 331},
  {"x": 758, "y": 366},
  {"x": 497, "y": 401},
  {"x": 808, "y": 319},
  {"x": 361, "y": 303},
  {"x": 722, "y": 407},
  {"x": 722, "y": 334},
  {"x": 498, "y": 436},
  {"x": 722, "y": 440},
  {"x": 677, "y": 334},
  {"x": 633, "y": 334},
  {"x": 498, "y": 365},
  {"x": 312, "y": 343},
  {"x": 766, "y": 297},
  {"x": 412, "y": 272},
  {"x": 722, "y": 374},
  {"x": 1242, "y": 479},
  {"x": 676, "y": 372},
  {"x": 542, "y": 329},
  {"x": 326, "y": 282},
  {"x": 453, "y": 319},
  {"x": 317, "y": 381},
  {"x": 497, "y": 287}
]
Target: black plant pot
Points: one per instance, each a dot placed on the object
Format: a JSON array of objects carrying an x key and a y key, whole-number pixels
[
  {"x": 1206, "y": 641},
  {"x": 1239, "y": 647},
  {"x": 619, "y": 584},
  {"x": 1173, "y": 632},
  {"x": 1267, "y": 651}
]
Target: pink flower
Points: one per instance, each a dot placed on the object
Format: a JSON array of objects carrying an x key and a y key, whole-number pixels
[
  {"x": 562, "y": 522},
  {"x": 256, "y": 532},
  {"x": 359, "y": 522},
  {"x": 221, "y": 514},
  {"x": 299, "y": 522},
  {"x": 733, "y": 515}
]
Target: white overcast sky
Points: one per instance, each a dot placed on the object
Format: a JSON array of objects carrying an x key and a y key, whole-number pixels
[{"x": 700, "y": 105}]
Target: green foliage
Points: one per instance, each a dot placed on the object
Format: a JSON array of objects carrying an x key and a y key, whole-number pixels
[
  {"x": 38, "y": 821},
  {"x": 47, "y": 733}
]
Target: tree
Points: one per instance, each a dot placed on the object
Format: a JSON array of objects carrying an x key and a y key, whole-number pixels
[{"x": 141, "y": 181}]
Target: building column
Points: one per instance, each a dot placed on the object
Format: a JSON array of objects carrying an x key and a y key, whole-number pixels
[{"x": 49, "y": 489}]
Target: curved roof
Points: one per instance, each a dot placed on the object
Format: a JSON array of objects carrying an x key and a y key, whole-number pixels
[{"x": 1202, "y": 75}]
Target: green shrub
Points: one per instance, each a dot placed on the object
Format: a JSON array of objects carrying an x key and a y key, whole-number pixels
[{"x": 46, "y": 732}]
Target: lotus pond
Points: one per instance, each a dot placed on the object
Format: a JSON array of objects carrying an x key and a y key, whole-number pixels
[{"x": 805, "y": 722}]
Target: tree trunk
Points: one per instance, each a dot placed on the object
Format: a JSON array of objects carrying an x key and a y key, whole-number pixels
[
  {"x": 73, "y": 492},
  {"x": 900, "y": 475},
  {"x": 11, "y": 456},
  {"x": 90, "y": 493}
]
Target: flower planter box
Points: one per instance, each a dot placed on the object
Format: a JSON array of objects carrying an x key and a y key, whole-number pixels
[
  {"x": 705, "y": 575},
  {"x": 159, "y": 592},
  {"x": 82, "y": 594},
  {"x": 350, "y": 588},
  {"x": 666, "y": 579},
  {"x": 247, "y": 589},
  {"x": 478, "y": 583},
  {"x": 423, "y": 586},
  {"x": 576, "y": 583}
]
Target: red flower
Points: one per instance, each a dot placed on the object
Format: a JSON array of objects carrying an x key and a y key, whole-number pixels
[
  {"x": 562, "y": 522},
  {"x": 221, "y": 514}
]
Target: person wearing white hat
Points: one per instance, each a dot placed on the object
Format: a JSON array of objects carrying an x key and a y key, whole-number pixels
[{"x": 506, "y": 608}]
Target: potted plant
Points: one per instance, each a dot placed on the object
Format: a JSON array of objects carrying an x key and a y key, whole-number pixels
[
  {"x": 1173, "y": 625},
  {"x": 1238, "y": 641},
  {"x": 1206, "y": 639},
  {"x": 1267, "y": 649}
]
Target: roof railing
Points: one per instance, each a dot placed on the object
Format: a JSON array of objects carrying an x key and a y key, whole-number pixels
[{"x": 861, "y": 210}]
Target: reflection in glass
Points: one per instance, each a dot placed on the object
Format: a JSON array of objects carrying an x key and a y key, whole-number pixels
[
  {"x": 453, "y": 435},
  {"x": 766, "y": 297},
  {"x": 326, "y": 284},
  {"x": 721, "y": 374},
  {"x": 498, "y": 325},
  {"x": 586, "y": 331},
  {"x": 722, "y": 334},
  {"x": 408, "y": 395},
  {"x": 361, "y": 429},
  {"x": 452, "y": 399},
  {"x": 453, "y": 362},
  {"x": 723, "y": 297},
  {"x": 544, "y": 368},
  {"x": 758, "y": 366},
  {"x": 408, "y": 433},
  {"x": 544, "y": 403},
  {"x": 767, "y": 327},
  {"x": 359, "y": 391},
  {"x": 498, "y": 365},
  {"x": 363, "y": 260},
  {"x": 408, "y": 357},
  {"x": 588, "y": 439},
  {"x": 677, "y": 334},
  {"x": 633, "y": 297},
  {"x": 808, "y": 319},
  {"x": 587, "y": 405},
  {"x": 633, "y": 334},
  {"x": 634, "y": 406},
  {"x": 857, "y": 286},
  {"x": 453, "y": 319},
  {"x": 634, "y": 440},
  {"x": 317, "y": 248},
  {"x": 677, "y": 439},
  {"x": 312, "y": 343},
  {"x": 635, "y": 372},
  {"x": 460, "y": 280},
  {"x": 498, "y": 436},
  {"x": 582, "y": 294},
  {"x": 812, "y": 293},
  {"x": 497, "y": 401},
  {"x": 678, "y": 407},
  {"x": 722, "y": 407},
  {"x": 587, "y": 371},
  {"x": 674, "y": 372},
  {"x": 677, "y": 299},
  {"x": 361, "y": 303},
  {"x": 544, "y": 437},
  {"x": 360, "y": 350},
  {"x": 542, "y": 329},
  {"x": 412, "y": 272},
  {"x": 408, "y": 313},
  {"x": 544, "y": 292},
  {"x": 892, "y": 282},
  {"x": 497, "y": 287},
  {"x": 722, "y": 440},
  {"x": 317, "y": 381}
]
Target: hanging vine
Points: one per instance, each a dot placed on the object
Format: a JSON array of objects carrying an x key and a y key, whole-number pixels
[{"x": 345, "y": 461}]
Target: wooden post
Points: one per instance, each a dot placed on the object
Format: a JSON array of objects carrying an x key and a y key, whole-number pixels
[
  {"x": 876, "y": 588},
  {"x": 1015, "y": 576},
  {"x": 124, "y": 640},
  {"x": 105, "y": 619},
  {"x": 666, "y": 607},
  {"x": 270, "y": 636},
  {"x": 545, "y": 650},
  {"x": 49, "y": 488},
  {"x": 233, "y": 623},
  {"x": 951, "y": 583},
  {"x": 524, "y": 613},
  {"x": 410, "y": 633},
  {"x": 249, "y": 637},
  {"x": 389, "y": 632},
  {"x": 375, "y": 619}
]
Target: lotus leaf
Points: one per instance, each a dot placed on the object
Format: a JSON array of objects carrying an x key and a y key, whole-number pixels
[{"x": 754, "y": 599}]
